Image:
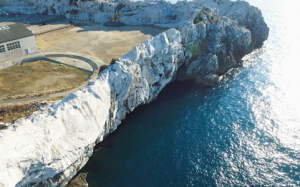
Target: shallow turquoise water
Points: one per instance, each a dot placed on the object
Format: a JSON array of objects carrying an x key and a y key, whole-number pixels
[{"x": 243, "y": 132}]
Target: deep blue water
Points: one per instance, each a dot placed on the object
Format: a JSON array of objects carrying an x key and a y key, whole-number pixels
[{"x": 243, "y": 132}]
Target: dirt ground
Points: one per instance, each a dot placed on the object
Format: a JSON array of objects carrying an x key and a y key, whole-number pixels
[
  {"x": 38, "y": 76},
  {"x": 85, "y": 37},
  {"x": 10, "y": 113},
  {"x": 97, "y": 40}
]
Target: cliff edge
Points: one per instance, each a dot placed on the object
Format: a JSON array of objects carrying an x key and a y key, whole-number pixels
[{"x": 50, "y": 146}]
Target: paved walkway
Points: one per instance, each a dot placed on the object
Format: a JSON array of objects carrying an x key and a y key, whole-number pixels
[
  {"x": 80, "y": 61},
  {"x": 84, "y": 61}
]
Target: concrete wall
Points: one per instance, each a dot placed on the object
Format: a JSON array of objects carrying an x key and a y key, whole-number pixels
[
  {"x": 8, "y": 63},
  {"x": 28, "y": 45},
  {"x": 3, "y": 56}
]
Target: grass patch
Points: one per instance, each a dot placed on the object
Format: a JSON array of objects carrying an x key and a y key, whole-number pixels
[
  {"x": 210, "y": 18},
  {"x": 38, "y": 76},
  {"x": 10, "y": 113}
]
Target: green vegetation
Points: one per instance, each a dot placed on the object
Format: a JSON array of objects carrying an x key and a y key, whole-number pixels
[
  {"x": 210, "y": 18},
  {"x": 195, "y": 49},
  {"x": 102, "y": 68},
  {"x": 114, "y": 60},
  {"x": 197, "y": 20}
]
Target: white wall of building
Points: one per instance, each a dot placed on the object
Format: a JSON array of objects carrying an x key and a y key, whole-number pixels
[{"x": 28, "y": 45}]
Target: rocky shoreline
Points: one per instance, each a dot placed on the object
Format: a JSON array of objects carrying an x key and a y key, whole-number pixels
[{"x": 209, "y": 38}]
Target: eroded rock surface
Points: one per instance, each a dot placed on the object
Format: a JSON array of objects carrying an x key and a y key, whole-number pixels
[
  {"x": 51, "y": 145},
  {"x": 79, "y": 181},
  {"x": 213, "y": 46}
]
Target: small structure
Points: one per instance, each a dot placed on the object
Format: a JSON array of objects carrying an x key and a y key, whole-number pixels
[{"x": 15, "y": 41}]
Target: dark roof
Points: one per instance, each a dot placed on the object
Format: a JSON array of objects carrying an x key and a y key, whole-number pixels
[{"x": 13, "y": 32}]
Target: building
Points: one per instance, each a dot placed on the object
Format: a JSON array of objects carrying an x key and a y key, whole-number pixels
[{"x": 15, "y": 41}]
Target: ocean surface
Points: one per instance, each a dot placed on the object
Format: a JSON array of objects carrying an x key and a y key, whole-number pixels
[{"x": 243, "y": 132}]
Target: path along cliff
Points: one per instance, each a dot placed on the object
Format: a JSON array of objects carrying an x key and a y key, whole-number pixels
[{"x": 50, "y": 146}]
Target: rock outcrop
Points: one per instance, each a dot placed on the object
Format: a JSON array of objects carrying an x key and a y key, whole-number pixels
[
  {"x": 213, "y": 46},
  {"x": 52, "y": 144},
  {"x": 78, "y": 181}
]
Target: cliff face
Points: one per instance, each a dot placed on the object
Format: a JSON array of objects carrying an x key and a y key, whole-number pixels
[{"x": 51, "y": 145}]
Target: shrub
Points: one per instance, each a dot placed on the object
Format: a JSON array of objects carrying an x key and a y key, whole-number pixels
[
  {"x": 199, "y": 17},
  {"x": 197, "y": 20},
  {"x": 102, "y": 68},
  {"x": 215, "y": 19},
  {"x": 114, "y": 60}
]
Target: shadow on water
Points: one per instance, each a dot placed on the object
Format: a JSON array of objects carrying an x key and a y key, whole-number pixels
[
  {"x": 167, "y": 95},
  {"x": 141, "y": 130},
  {"x": 199, "y": 136}
]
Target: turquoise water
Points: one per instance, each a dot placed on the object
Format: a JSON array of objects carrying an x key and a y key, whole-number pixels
[{"x": 243, "y": 132}]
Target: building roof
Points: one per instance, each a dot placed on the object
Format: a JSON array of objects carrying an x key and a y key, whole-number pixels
[{"x": 13, "y": 32}]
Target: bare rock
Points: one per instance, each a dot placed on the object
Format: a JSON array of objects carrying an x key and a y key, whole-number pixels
[
  {"x": 49, "y": 147},
  {"x": 79, "y": 181}
]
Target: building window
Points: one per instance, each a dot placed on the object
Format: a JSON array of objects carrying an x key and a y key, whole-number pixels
[
  {"x": 13, "y": 45},
  {"x": 2, "y": 49}
]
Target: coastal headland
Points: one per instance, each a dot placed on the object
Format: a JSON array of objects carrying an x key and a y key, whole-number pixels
[{"x": 206, "y": 38}]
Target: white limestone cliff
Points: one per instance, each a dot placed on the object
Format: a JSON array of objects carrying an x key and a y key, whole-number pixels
[{"x": 49, "y": 147}]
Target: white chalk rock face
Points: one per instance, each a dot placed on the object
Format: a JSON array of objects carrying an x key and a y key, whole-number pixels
[
  {"x": 142, "y": 73},
  {"x": 50, "y": 146},
  {"x": 213, "y": 45}
]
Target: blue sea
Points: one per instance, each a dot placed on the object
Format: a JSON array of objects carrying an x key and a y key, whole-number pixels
[{"x": 243, "y": 132}]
